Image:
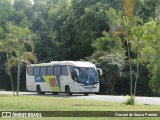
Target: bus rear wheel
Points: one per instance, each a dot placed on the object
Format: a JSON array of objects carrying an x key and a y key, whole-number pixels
[
  {"x": 38, "y": 89},
  {"x": 55, "y": 93},
  {"x": 68, "y": 91},
  {"x": 86, "y": 94}
]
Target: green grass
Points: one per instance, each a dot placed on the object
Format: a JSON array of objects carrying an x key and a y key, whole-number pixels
[{"x": 51, "y": 103}]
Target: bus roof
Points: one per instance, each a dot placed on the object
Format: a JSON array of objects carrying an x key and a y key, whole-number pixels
[{"x": 59, "y": 63}]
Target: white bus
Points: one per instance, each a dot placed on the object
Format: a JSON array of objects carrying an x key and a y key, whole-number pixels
[{"x": 63, "y": 77}]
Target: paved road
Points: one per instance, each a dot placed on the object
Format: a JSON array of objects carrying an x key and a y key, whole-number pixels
[{"x": 139, "y": 100}]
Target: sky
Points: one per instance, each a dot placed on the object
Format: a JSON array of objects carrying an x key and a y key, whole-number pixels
[{"x": 30, "y": 0}]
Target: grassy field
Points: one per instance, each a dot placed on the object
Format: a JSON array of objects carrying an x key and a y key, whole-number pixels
[{"x": 50, "y": 103}]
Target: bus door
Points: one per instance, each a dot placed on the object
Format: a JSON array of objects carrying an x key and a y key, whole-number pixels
[
  {"x": 66, "y": 79},
  {"x": 73, "y": 79}
]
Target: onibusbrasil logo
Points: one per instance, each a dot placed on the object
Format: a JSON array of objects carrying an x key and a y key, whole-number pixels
[{"x": 21, "y": 114}]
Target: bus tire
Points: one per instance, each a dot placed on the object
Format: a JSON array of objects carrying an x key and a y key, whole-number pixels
[
  {"x": 67, "y": 90},
  {"x": 55, "y": 93},
  {"x": 38, "y": 89},
  {"x": 86, "y": 94}
]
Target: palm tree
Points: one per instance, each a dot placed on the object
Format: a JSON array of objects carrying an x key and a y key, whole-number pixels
[
  {"x": 7, "y": 46},
  {"x": 125, "y": 30},
  {"x": 138, "y": 35},
  {"x": 23, "y": 56},
  {"x": 23, "y": 40}
]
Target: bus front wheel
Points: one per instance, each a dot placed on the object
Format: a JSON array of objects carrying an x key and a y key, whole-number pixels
[{"x": 68, "y": 91}]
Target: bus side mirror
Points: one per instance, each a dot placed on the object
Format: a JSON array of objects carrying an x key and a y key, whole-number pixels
[
  {"x": 100, "y": 71},
  {"x": 77, "y": 71}
]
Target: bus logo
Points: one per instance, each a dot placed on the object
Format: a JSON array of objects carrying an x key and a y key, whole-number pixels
[
  {"x": 53, "y": 82},
  {"x": 6, "y": 114}
]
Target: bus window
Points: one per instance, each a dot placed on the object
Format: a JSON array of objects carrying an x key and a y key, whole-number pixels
[
  {"x": 43, "y": 71},
  {"x": 57, "y": 70},
  {"x": 36, "y": 70},
  {"x": 71, "y": 69},
  {"x": 30, "y": 70},
  {"x": 49, "y": 70},
  {"x": 64, "y": 70}
]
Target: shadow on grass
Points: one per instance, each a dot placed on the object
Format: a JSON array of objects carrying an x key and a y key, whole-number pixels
[{"x": 88, "y": 105}]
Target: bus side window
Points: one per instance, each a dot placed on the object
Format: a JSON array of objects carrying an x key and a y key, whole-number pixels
[
  {"x": 64, "y": 70},
  {"x": 57, "y": 70},
  {"x": 50, "y": 70},
  {"x": 36, "y": 70},
  {"x": 43, "y": 71},
  {"x": 30, "y": 70},
  {"x": 75, "y": 75},
  {"x": 71, "y": 70}
]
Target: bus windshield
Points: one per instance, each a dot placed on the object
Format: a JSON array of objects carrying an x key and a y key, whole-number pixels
[{"x": 88, "y": 75}]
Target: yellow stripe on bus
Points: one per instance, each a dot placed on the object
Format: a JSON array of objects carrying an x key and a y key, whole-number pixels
[{"x": 52, "y": 83}]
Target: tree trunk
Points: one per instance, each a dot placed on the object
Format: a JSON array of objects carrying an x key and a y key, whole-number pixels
[
  {"x": 135, "y": 86},
  {"x": 130, "y": 69},
  {"x": 18, "y": 76},
  {"x": 10, "y": 74},
  {"x": 112, "y": 86}
]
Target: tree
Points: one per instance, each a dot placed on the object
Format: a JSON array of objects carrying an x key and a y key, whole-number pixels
[
  {"x": 22, "y": 38},
  {"x": 138, "y": 34},
  {"x": 6, "y": 11},
  {"x": 150, "y": 52},
  {"x": 76, "y": 26},
  {"x": 125, "y": 30},
  {"x": 112, "y": 65},
  {"x": 7, "y": 46},
  {"x": 147, "y": 9},
  {"x": 42, "y": 27},
  {"x": 109, "y": 56}
]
